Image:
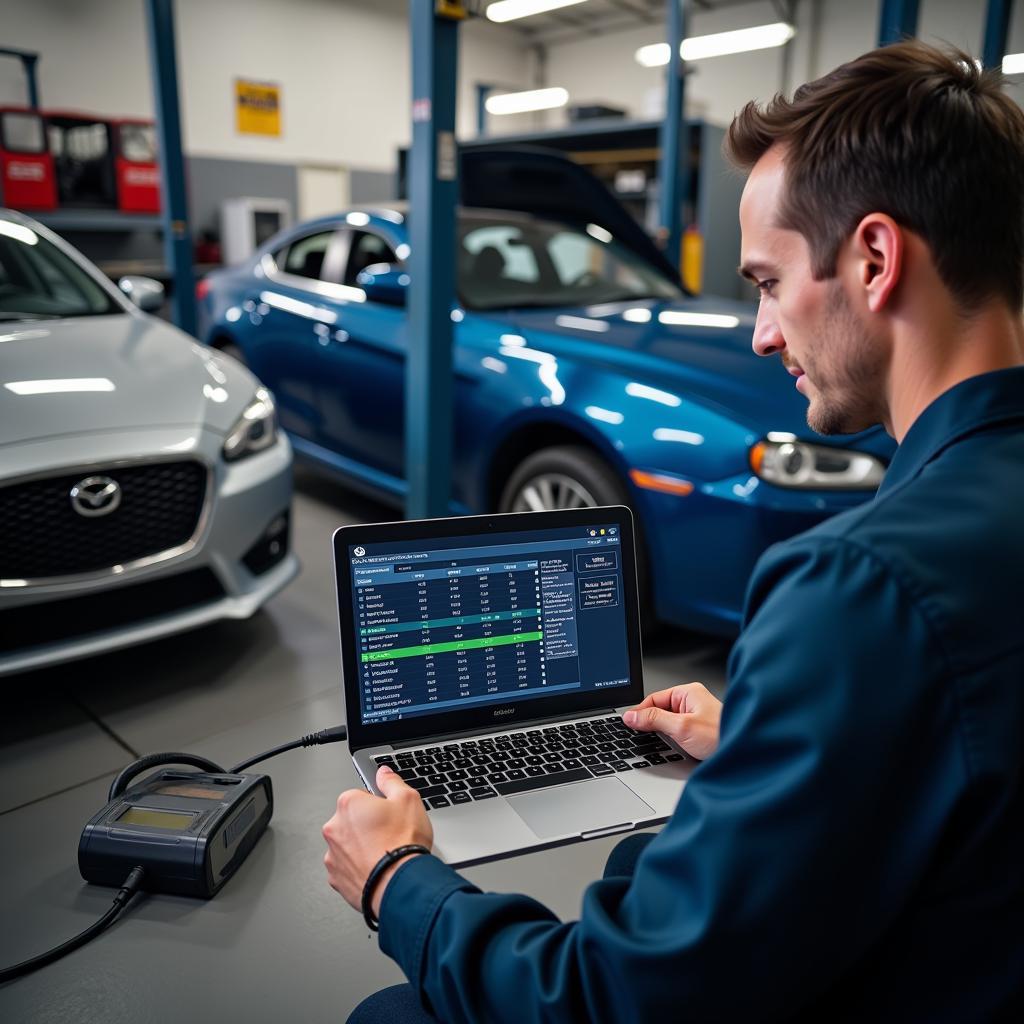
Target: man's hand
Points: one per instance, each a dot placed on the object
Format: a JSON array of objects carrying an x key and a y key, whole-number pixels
[
  {"x": 689, "y": 714},
  {"x": 365, "y": 827}
]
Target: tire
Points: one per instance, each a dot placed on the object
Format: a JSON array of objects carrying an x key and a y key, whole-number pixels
[{"x": 575, "y": 477}]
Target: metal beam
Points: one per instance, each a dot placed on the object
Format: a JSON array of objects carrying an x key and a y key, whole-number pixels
[
  {"x": 177, "y": 237},
  {"x": 28, "y": 63},
  {"x": 898, "y": 20},
  {"x": 482, "y": 92},
  {"x": 433, "y": 194},
  {"x": 674, "y": 164},
  {"x": 997, "y": 27}
]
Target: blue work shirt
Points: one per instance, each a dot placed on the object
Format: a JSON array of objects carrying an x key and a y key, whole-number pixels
[{"x": 854, "y": 850}]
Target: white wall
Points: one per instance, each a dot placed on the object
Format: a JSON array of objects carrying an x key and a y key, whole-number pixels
[{"x": 344, "y": 70}]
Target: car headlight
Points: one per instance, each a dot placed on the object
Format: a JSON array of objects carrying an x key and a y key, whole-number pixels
[
  {"x": 815, "y": 467},
  {"x": 255, "y": 430}
]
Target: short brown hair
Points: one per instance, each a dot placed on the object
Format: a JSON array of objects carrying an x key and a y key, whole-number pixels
[{"x": 921, "y": 134}]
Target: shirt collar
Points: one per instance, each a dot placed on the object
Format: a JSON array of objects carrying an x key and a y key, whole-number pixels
[{"x": 973, "y": 404}]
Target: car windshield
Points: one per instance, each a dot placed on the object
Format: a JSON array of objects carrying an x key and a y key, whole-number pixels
[
  {"x": 38, "y": 281},
  {"x": 522, "y": 263}
]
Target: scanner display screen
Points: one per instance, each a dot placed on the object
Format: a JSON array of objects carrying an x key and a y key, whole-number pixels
[{"x": 157, "y": 819}]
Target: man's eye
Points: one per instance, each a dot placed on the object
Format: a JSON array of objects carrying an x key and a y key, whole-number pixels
[{"x": 766, "y": 287}]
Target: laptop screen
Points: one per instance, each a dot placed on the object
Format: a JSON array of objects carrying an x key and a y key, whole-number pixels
[{"x": 449, "y": 624}]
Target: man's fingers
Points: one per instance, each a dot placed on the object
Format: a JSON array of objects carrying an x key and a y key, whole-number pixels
[
  {"x": 652, "y": 719},
  {"x": 390, "y": 783}
]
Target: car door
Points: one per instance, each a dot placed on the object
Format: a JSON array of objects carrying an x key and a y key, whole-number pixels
[
  {"x": 361, "y": 386},
  {"x": 292, "y": 311}
]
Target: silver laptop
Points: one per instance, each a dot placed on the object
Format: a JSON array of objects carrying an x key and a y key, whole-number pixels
[{"x": 488, "y": 660}]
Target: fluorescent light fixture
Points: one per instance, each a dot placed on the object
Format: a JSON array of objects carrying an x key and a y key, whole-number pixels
[
  {"x": 58, "y": 387},
  {"x": 679, "y": 319},
  {"x": 511, "y": 10},
  {"x": 639, "y": 315},
  {"x": 18, "y": 232},
  {"x": 654, "y": 394},
  {"x": 1013, "y": 64},
  {"x": 595, "y": 412},
  {"x": 523, "y": 102},
  {"x": 598, "y": 232},
  {"x": 358, "y": 219},
  {"x": 719, "y": 44},
  {"x": 582, "y": 323}
]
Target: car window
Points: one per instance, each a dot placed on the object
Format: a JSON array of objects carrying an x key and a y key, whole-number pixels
[
  {"x": 535, "y": 262},
  {"x": 138, "y": 143},
  {"x": 305, "y": 257},
  {"x": 23, "y": 133},
  {"x": 38, "y": 280},
  {"x": 501, "y": 250},
  {"x": 367, "y": 250}
]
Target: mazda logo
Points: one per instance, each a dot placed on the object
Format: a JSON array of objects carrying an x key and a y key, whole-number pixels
[{"x": 95, "y": 496}]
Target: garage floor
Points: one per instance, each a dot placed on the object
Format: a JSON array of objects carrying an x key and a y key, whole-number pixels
[{"x": 276, "y": 943}]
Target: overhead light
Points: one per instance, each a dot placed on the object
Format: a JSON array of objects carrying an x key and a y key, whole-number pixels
[
  {"x": 57, "y": 387},
  {"x": 598, "y": 232},
  {"x": 510, "y": 10},
  {"x": 679, "y": 319},
  {"x": 1013, "y": 64},
  {"x": 523, "y": 102},
  {"x": 719, "y": 44}
]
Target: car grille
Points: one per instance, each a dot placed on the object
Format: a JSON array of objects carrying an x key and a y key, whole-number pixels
[
  {"x": 42, "y": 536},
  {"x": 116, "y": 608}
]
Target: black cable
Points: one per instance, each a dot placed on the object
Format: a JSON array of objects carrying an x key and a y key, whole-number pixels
[
  {"x": 125, "y": 893},
  {"x": 335, "y": 735},
  {"x": 126, "y": 774}
]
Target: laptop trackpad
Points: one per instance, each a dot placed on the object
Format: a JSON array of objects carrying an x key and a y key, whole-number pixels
[{"x": 580, "y": 807}]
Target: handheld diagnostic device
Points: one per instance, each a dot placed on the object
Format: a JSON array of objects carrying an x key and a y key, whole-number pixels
[{"x": 189, "y": 830}]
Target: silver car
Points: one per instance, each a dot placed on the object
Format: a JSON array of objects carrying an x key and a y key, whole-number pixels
[{"x": 144, "y": 486}]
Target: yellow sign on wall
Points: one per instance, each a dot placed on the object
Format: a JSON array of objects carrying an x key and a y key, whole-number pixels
[{"x": 258, "y": 107}]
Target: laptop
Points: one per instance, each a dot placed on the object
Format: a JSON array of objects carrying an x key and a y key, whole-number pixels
[{"x": 488, "y": 660}]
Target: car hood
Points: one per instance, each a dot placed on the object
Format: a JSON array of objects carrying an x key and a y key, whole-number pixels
[
  {"x": 665, "y": 345},
  {"x": 111, "y": 373}
]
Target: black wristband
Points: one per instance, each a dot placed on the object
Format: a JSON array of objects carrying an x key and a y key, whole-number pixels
[{"x": 379, "y": 868}]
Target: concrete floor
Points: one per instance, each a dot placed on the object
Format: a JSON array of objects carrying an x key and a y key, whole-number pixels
[{"x": 276, "y": 943}]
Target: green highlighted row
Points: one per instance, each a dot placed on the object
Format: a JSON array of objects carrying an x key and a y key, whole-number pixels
[
  {"x": 457, "y": 645},
  {"x": 459, "y": 620}
]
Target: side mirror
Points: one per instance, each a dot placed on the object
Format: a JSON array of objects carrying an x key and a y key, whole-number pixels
[
  {"x": 384, "y": 283},
  {"x": 146, "y": 293}
]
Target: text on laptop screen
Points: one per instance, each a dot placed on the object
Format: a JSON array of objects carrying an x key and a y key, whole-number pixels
[{"x": 468, "y": 621}]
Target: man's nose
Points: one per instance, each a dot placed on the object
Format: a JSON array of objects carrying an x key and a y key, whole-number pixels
[{"x": 768, "y": 340}]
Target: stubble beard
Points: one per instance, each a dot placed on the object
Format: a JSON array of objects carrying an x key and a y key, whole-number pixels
[{"x": 846, "y": 375}]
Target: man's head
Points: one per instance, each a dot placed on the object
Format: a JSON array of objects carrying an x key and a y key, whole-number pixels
[{"x": 902, "y": 171}]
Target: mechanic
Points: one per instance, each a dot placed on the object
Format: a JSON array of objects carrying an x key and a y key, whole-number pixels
[{"x": 854, "y": 847}]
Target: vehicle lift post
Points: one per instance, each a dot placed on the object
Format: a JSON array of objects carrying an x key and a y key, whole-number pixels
[
  {"x": 177, "y": 237},
  {"x": 28, "y": 62},
  {"x": 673, "y": 166},
  {"x": 997, "y": 26},
  {"x": 897, "y": 20},
  {"x": 433, "y": 195}
]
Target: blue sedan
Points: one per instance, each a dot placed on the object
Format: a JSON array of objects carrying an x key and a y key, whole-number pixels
[{"x": 584, "y": 376}]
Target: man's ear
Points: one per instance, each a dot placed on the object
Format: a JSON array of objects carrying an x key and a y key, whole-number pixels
[{"x": 877, "y": 248}]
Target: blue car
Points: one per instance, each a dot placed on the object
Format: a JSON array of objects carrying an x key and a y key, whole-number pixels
[{"x": 584, "y": 375}]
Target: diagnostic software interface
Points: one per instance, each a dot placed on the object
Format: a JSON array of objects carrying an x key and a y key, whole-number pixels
[{"x": 466, "y": 621}]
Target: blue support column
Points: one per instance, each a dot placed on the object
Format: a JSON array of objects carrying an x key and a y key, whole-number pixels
[
  {"x": 673, "y": 166},
  {"x": 997, "y": 26},
  {"x": 898, "y": 19},
  {"x": 433, "y": 194},
  {"x": 482, "y": 92},
  {"x": 177, "y": 237},
  {"x": 28, "y": 63}
]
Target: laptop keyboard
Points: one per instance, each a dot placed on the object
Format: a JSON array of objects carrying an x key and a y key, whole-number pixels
[{"x": 459, "y": 773}]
